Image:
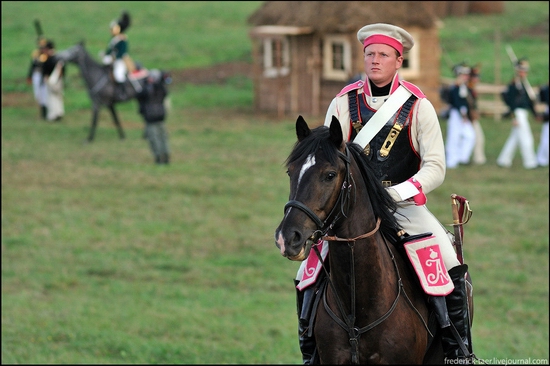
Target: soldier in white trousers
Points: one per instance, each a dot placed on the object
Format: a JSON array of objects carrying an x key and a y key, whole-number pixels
[
  {"x": 461, "y": 135},
  {"x": 478, "y": 156},
  {"x": 518, "y": 101},
  {"x": 542, "y": 150}
]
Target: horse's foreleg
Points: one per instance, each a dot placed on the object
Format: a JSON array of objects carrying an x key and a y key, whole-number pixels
[
  {"x": 117, "y": 122},
  {"x": 95, "y": 113}
]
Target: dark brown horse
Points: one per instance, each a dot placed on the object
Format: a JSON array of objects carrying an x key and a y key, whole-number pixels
[{"x": 373, "y": 309}]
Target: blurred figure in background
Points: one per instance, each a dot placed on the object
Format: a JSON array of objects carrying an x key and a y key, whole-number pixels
[
  {"x": 478, "y": 156},
  {"x": 519, "y": 103},
  {"x": 34, "y": 77},
  {"x": 53, "y": 71},
  {"x": 542, "y": 151},
  {"x": 460, "y": 131},
  {"x": 151, "y": 107}
]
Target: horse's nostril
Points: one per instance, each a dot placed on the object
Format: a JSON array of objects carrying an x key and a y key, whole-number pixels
[{"x": 297, "y": 237}]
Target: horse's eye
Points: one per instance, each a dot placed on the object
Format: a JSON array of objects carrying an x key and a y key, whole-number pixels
[
  {"x": 330, "y": 176},
  {"x": 288, "y": 173}
]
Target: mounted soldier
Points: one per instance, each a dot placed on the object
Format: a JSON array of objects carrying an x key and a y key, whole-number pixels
[
  {"x": 408, "y": 127},
  {"x": 116, "y": 53}
]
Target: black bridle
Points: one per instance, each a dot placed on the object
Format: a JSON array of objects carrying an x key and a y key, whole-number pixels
[{"x": 342, "y": 203}]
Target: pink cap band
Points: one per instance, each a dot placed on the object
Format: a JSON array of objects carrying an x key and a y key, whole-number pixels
[{"x": 380, "y": 38}]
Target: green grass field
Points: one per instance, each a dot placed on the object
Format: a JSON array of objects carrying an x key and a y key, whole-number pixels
[{"x": 107, "y": 258}]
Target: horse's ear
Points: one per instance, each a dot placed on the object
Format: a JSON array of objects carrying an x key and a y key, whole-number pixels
[
  {"x": 82, "y": 43},
  {"x": 336, "y": 132},
  {"x": 302, "y": 129}
]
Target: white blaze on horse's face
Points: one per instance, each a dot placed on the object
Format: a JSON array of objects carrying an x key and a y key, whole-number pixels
[
  {"x": 280, "y": 242},
  {"x": 310, "y": 161}
]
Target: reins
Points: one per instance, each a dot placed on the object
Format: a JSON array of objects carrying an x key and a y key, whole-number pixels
[
  {"x": 100, "y": 84},
  {"x": 363, "y": 236}
]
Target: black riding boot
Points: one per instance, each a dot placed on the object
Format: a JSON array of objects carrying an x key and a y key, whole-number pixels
[
  {"x": 43, "y": 112},
  {"x": 304, "y": 302},
  {"x": 457, "y": 307}
]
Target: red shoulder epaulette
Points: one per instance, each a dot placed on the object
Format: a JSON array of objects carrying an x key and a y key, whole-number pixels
[
  {"x": 413, "y": 89},
  {"x": 358, "y": 84}
]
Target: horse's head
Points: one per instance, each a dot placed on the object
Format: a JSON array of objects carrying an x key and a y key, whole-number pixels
[
  {"x": 318, "y": 168},
  {"x": 72, "y": 54}
]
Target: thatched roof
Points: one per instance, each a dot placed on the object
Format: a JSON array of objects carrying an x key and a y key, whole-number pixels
[{"x": 343, "y": 16}]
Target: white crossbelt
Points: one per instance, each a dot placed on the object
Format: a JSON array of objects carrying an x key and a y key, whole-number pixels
[
  {"x": 381, "y": 117},
  {"x": 377, "y": 121}
]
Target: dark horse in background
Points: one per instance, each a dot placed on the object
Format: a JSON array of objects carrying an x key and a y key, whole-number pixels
[
  {"x": 373, "y": 309},
  {"x": 101, "y": 85}
]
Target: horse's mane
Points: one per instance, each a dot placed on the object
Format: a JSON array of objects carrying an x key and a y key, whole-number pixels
[{"x": 383, "y": 204}]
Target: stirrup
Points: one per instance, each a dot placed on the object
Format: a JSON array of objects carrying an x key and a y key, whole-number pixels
[{"x": 465, "y": 351}]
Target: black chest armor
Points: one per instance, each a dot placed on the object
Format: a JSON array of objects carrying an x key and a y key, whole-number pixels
[{"x": 399, "y": 163}]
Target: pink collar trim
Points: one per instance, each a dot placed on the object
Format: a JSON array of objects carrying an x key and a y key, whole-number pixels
[{"x": 395, "y": 84}]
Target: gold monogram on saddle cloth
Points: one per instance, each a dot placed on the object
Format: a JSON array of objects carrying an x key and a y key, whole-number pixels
[{"x": 427, "y": 261}]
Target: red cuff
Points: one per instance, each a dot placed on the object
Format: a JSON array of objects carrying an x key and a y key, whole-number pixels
[{"x": 420, "y": 199}]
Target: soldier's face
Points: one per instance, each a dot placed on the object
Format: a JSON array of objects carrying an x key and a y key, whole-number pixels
[
  {"x": 522, "y": 73},
  {"x": 381, "y": 63},
  {"x": 115, "y": 29}
]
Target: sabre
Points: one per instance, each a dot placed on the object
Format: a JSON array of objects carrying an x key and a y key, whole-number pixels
[{"x": 459, "y": 214}]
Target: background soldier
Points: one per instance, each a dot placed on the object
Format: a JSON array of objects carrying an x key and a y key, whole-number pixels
[
  {"x": 519, "y": 103},
  {"x": 478, "y": 156},
  {"x": 461, "y": 135},
  {"x": 34, "y": 77},
  {"x": 151, "y": 107},
  {"x": 53, "y": 71},
  {"x": 116, "y": 53},
  {"x": 542, "y": 151}
]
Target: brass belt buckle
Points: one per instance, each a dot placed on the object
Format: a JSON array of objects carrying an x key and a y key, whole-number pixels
[{"x": 367, "y": 150}]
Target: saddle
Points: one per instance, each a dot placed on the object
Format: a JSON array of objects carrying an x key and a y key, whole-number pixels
[{"x": 421, "y": 252}]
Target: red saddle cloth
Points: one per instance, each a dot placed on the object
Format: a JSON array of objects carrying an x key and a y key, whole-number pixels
[
  {"x": 427, "y": 261},
  {"x": 138, "y": 74},
  {"x": 312, "y": 266},
  {"x": 423, "y": 253}
]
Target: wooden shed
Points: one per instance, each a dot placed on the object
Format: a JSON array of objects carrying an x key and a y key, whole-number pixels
[{"x": 305, "y": 52}]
